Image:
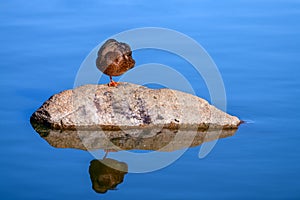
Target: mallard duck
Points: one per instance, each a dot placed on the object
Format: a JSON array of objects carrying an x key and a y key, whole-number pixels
[{"x": 114, "y": 59}]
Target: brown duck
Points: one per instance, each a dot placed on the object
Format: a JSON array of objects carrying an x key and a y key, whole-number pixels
[{"x": 114, "y": 59}]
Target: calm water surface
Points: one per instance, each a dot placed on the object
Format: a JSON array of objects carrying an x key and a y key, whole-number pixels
[{"x": 255, "y": 45}]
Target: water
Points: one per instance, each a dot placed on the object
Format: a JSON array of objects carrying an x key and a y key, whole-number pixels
[{"x": 255, "y": 45}]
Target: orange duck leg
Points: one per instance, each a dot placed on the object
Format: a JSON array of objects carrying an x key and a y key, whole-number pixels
[{"x": 112, "y": 83}]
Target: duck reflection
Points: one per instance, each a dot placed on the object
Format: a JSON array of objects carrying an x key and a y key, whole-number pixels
[{"x": 106, "y": 174}]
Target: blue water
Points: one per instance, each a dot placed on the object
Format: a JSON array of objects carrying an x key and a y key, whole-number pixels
[{"x": 255, "y": 45}]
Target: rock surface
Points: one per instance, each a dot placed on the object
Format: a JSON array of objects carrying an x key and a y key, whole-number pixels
[{"x": 129, "y": 106}]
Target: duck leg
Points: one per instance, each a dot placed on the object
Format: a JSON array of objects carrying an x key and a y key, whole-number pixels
[
  {"x": 112, "y": 83},
  {"x": 107, "y": 151}
]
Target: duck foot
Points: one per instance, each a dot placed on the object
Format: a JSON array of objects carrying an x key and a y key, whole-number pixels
[{"x": 112, "y": 83}]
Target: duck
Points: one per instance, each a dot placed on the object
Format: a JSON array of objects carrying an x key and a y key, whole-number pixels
[{"x": 114, "y": 59}]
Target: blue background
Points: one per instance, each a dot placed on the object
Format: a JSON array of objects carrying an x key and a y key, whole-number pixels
[{"x": 255, "y": 45}]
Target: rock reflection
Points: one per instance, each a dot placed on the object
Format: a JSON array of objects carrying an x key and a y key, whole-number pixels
[
  {"x": 105, "y": 178},
  {"x": 106, "y": 174},
  {"x": 141, "y": 139}
]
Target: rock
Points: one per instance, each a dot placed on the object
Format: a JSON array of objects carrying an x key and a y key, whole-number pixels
[{"x": 129, "y": 106}]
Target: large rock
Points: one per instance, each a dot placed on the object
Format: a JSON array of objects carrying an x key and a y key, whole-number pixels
[{"x": 129, "y": 106}]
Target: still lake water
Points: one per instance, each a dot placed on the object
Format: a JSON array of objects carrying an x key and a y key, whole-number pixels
[{"x": 255, "y": 45}]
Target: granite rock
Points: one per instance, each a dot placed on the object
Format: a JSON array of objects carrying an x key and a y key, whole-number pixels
[{"x": 129, "y": 106}]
